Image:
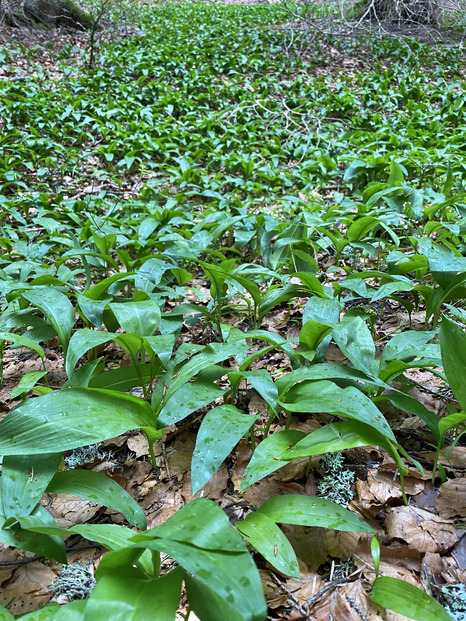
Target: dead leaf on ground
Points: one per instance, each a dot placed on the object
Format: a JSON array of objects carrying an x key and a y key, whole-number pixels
[
  {"x": 28, "y": 588},
  {"x": 451, "y": 500},
  {"x": 420, "y": 529}
]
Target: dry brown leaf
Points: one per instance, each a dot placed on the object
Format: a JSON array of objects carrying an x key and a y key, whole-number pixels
[
  {"x": 139, "y": 445},
  {"x": 451, "y": 500},
  {"x": 6, "y": 555},
  {"x": 27, "y": 589},
  {"x": 69, "y": 510},
  {"x": 420, "y": 529}
]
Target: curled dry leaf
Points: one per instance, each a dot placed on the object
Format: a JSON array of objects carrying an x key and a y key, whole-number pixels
[
  {"x": 421, "y": 529},
  {"x": 451, "y": 501}
]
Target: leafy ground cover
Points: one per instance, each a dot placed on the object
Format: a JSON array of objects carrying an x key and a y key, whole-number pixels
[{"x": 233, "y": 284}]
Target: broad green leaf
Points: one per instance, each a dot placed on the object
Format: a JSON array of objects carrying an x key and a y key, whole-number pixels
[
  {"x": 43, "y": 614},
  {"x": 201, "y": 539},
  {"x": 200, "y": 524},
  {"x": 81, "y": 342},
  {"x": 355, "y": 341},
  {"x": 262, "y": 383},
  {"x": 322, "y": 310},
  {"x": 83, "y": 376},
  {"x": 141, "y": 318},
  {"x": 409, "y": 345},
  {"x": 334, "y": 437},
  {"x": 264, "y": 535},
  {"x": 125, "y": 595},
  {"x": 186, "y": 400},
  {"x": 57, "y": 309},
  {"x": 73, "y": 611},
  {"x": 5, "y": 615},
  {"x": 311, "y": 336},
  {"x": 210, "y": 355},
  {"x": 65, "y": 419},
  {"x": 209, "y": 605},
  {"x": 95, "y": 292},
  {"x": 126, "y": 377},
  {"x": 220, "y": 431},
  {"x": 328, "y": 371},
  {"x": 450, "y": 422},
  {"x": 413, "y": 406},
  {"x": 25, "y": 479},
  {"x": 44, "y": 544},
  {"x": 444, "y": 263},
  {"x": 266, "y": 457},
  {"x": 161, "y": 345},
  {"x": 27, "y": 382},
  {"x": 309, "y": 511},
  {"x": 360, "y": 227},
  {"x": 453, "y": 348},
  {"x": 407, "y": 599},
  {"x": 96, "y": 487},
  {"x": 324, "y": 396},
  {"x": 22, "y": 341}
]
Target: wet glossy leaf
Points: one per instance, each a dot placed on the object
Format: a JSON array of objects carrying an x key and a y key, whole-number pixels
[
  {"x": 264, "y": 535},
  {"x": 98, "y": 488},
  {"x": 220, "y": 431},
  {"x": 309, "y": 511},
  {"x": 407, "y": 599},
  {"x": 65, "y": 419},
  {"x": 267, "y": 456}
]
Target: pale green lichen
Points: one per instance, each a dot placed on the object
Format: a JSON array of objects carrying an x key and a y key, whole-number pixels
[
  {"x": 336, "y": 484},
  {"x": 455, "y": 600},
  {"x": 84, "y": 455},
  {"x": 75, "y": 581}
]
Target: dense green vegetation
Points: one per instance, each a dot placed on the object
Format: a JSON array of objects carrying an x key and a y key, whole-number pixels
[{"x": 201, "y": 176}]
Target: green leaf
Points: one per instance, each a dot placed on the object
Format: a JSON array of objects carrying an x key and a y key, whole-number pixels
[
  {"x": 65, "y": 419},
  {"x": 98, "y": 488},
  {"x": 124, "y": 378},
  {"x": 5, "y": 615},
  {"x": 57, "y": 309},
  {"x": 309, "y": 511},
  {"x": 73, "y": 611},
  {"x": 186, "y": 400},
  {"x": 407, "y": 599},
  {"x": 81, "y": 342},
  {"x": 161, "y": 345},
  {"x": 25, "y": 479},
  {"x": 335, "y": 437},
  {"x": 453, "y": 348},
  {"x": 201, "y": 539},
  {"x": 355, "y": 341},
  {"x": 23, "y": 341},
  {"x": 409, "y": 345},
  {"x": 311, "y": 336},
  {"x": 48, "y": 545},
  {"x": 126, "y": 595},
  {"x": 26, "y": 383},
  {"x": 264, "y": 535},
  {"x": 207, "y": 604},
  {"x": 141, "y": 318},
  {"x": 48, "y": 612},
  {"x": 324, "y": 396},
  {"x": 266, "y": 457},
  {"x": 212, "y": 354},
  {"x": 360, "y": 227},
  {"x": 220, "y": 431}
]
